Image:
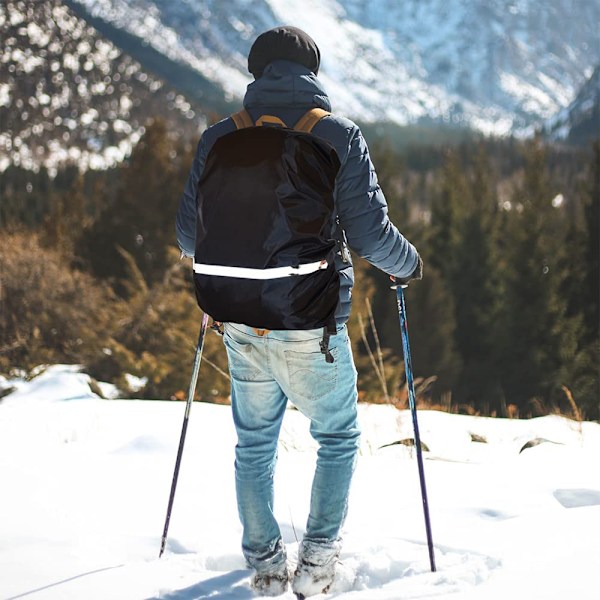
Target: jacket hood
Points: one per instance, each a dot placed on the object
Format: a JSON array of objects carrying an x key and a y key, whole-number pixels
[{"x": 285, "y": 84}]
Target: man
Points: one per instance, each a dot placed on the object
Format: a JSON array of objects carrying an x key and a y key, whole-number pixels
[{"x": 268, "y": 368}]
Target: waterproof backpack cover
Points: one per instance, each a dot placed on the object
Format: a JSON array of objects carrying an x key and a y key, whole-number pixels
[{"x": 265, "y": 226}]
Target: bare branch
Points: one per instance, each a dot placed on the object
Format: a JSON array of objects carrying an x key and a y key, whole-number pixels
[{"x": 370, "y": 353}]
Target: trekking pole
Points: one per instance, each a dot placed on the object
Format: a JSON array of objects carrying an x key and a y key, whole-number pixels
[
  {"x": 413, "y": 408},
  {"x": 190, "y": 399}
]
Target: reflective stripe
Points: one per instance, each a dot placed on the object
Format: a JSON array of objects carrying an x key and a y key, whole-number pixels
[{"x": 248, "y": 273}]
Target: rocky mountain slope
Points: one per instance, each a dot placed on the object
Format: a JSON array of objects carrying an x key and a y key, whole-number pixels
[
  {"x": 67, "y": 94},
  {"x": 80, "y": 78},
  {"x": 496, "y": 65},
  {"x": 580, "y": 121}
]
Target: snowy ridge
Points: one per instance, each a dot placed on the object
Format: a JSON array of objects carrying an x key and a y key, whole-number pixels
[
  {"x": 581, "y": 119},
  {"x": 498, "y": 66},
  {"x": 86, "y": 483}
]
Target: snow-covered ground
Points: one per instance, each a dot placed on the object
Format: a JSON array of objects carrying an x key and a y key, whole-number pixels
[{"x": 85, "y": 483}]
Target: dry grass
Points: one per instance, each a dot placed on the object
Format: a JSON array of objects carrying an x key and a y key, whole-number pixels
[
  {"x": 576, "y": 414},
  {"x": 536, "y": 407},
  {"x": 575, "y": 409},
  {"x": 378, "y": 365}
]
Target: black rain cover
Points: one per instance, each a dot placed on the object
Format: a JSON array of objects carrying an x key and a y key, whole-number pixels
[{"x": 265, "y": 199}]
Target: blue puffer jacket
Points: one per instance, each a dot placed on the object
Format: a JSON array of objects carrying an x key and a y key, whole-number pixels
[{"x": 287, "y": 90}]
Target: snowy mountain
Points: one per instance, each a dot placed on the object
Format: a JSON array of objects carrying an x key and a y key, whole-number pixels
[
  {"x": 67, "y": 94},
  {"x": 580, "y": 121},
  {"x": 497, "y": 65},
  {"x": 80, "y": 78}
]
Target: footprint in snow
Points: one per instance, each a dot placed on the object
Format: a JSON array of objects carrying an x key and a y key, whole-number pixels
[{"x": 406, "y": 566}]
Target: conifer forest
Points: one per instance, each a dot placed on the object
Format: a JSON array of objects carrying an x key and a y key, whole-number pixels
[{"x": 505, "y": 321}]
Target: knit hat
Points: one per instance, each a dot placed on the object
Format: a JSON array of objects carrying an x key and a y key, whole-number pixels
[{"x": 283, "y": 43}]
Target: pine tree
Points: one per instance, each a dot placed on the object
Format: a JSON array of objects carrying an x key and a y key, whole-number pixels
[
  {"x": 446, "y": 207},
  {"x": 141, "y": 217},
  {"x": 583, "y": 292},
  {"x": 476, "y": 292},
  {"x": 24, "y": 197},
  {"x": 539, "y": 337},
  {"x": 432, "y": 328},
  {"x": 592, "y": 249},
  {"x": 64, "y": 224},
  {"x": 429, "y": 302}
]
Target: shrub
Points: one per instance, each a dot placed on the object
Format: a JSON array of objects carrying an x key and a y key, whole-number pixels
[{"x": 49, "y": 311}]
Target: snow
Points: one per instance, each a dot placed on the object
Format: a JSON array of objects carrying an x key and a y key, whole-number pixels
[
  {"x": 85, "y": 485},
  {"x": 4, "y": 94},
  {"x": 134, "y": 383},
  {"x": 533, "y": 98}
]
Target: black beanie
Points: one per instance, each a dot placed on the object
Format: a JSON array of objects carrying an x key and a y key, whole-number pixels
[{"x": 283, "y": 43}]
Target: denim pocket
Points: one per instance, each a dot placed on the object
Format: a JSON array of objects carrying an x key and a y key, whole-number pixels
[
  {"x": 239, "y": 356},
  {"x": 309, "y": 374}
]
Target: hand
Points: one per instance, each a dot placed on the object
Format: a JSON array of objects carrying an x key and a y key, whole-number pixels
[{"x": 416, "y": 274}]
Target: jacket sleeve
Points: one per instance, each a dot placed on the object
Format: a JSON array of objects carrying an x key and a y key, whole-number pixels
[
  {"x": 185, "y": 223},
  {"x": 363, "y": 214}
]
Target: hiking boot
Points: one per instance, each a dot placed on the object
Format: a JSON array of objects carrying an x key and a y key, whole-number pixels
[
  {"x": 333, "y": 578},
  {"x": 310, "y": 579},
  {"x": 316, "y": 568},
  {"x": 271, "y": 584}
]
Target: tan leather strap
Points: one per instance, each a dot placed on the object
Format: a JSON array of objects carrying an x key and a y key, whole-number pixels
[
  {"x": 242, "y": 119},
  {"x": 306, "y": 123},
  {"x": 261, "y": 332},
  {"x": 270, "y": 120},
  {"x": 310, "y": 119}
]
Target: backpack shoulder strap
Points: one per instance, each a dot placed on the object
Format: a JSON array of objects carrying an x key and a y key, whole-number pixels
[
  {"x": 271, "y": 121},
  {"x": 242, "y": 119},
  {"x": 310, "y": 119}
]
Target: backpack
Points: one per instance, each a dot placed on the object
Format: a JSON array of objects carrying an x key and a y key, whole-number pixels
[{"x": 265, "y": 241}]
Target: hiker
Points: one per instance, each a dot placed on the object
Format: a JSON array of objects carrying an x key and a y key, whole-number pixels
[{"x": 313, "y": 368}]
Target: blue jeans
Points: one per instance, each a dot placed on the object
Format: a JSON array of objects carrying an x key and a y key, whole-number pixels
[{"x": 265, "y": 372}]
